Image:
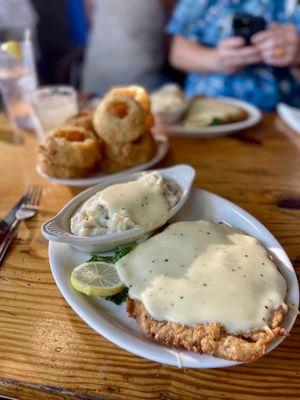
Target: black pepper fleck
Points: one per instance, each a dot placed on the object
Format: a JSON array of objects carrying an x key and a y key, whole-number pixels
[
  {"x": 205, "y": 284},
  {"x": 267, "y": 307},
  {"x": 181, "y": 297},
  {"x": 166, "y": 260},
  {"x": 246, "y": 255},
  {"x": 233, "y": 270},
  {"x": 261, "y": 275}
]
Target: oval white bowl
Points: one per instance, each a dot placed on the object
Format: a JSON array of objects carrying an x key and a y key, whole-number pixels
[{"x": 57, "y": 229}]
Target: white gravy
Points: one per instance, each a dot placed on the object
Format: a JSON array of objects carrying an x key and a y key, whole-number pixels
[
  {"x": 144, "y": 203},
  {"x": 201, "y": 272}
]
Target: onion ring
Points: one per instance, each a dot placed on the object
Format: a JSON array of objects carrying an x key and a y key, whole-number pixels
[
  {"x": 69, "y": 152},
  {"x": 120, "y": 156},
  {"x": 119, "y": 119}
]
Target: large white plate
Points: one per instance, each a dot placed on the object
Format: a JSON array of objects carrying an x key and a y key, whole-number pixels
[
  {"x": 162, "y": 146},
  {"x": 254, "y": 116},
  {"x": 112, "y": 322}
]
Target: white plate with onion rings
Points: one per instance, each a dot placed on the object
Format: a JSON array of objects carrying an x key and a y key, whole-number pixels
[{"x": 162, "y": 147}]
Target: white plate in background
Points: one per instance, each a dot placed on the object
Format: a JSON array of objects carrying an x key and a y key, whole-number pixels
[
  {"x": 162, "y": 147},
  {"x": 289, "y": 115},
  {"x": 112, "y": 322},
  {"x": 254, "y": 117}
]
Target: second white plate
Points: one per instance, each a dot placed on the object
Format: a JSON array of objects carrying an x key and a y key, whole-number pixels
[
  {"x": 112, "y": 322},
  {"x": 162, "y": 147},
  {"x": 254, "y": 116}
]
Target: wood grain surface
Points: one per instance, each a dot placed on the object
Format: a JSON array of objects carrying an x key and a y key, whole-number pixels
[{"x": 47, "y": 352}]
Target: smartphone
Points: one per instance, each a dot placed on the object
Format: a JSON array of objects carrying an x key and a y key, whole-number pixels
[{"x": 246, "y": 25}]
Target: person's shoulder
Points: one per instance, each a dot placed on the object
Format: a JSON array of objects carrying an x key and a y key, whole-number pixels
[{"x": 187, "y": 16}]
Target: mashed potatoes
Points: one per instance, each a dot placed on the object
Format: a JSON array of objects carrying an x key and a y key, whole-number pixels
[{"x": 144, "y": 202}]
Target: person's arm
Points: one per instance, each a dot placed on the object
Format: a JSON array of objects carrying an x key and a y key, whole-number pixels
[
  {"x": 188, "y": 56},
  {"x": 230, "y": 55}
]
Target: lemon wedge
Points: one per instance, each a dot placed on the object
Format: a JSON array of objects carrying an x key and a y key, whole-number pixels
[
  {"x": 97, "y": 278},
  {"x": 12, "y": 48}
]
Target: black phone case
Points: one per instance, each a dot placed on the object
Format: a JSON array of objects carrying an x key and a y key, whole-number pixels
[{"x": 246, "y": 25}]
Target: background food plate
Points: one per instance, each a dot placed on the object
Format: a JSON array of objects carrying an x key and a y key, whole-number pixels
[
  {"x": 112, "y": 322},
  {"x": 254, "y": 116},
  {"x": 162, "y": 147}
]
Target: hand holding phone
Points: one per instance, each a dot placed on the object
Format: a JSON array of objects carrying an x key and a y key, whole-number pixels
[
  {"x": 232, "y": 55},
  {"x": 246, "y": 25}
]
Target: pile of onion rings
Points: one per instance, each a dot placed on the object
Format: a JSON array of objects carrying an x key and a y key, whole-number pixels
[{"x": 116, "y": 136}]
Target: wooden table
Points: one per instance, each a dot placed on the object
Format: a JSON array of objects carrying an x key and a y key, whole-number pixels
[{"x": 47, "y": 352}]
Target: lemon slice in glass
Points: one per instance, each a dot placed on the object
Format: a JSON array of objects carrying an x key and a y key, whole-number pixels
[
  {"x": 97, "y": 278},
  {"x": 12, "y": 48}
]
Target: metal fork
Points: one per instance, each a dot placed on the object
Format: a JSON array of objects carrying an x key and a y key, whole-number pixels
[{"x": 27, "y": 210}]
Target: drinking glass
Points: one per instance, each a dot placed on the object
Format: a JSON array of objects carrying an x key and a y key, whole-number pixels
[
  {"x": 17, "y": 81},
  {"x": 53, "y": 105}
]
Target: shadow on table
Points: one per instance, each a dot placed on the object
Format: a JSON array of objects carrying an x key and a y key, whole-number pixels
[{"x": 7, "y": 134}]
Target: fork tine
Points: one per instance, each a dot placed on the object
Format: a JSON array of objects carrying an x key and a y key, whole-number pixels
[
  {"x": 33, "y": 196},
  {"x": 39, "y": 191},
  {"x": 29, "y": 195},
  {"x": 36, "y": 197}
]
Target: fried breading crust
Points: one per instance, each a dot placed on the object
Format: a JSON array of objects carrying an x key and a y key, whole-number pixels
[
  {"x": 119, "y": 119},
  {"x": 69, "y": 152},
  {"x": 140, "y": 95},
  {"x": 83, "y": 119},
  {"x": 235, "y": 114},
  {"x": 208, "y": 338},
  {"x": 133, "y": 153}
]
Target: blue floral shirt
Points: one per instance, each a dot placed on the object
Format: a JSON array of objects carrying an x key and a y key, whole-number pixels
[{"x": 208, "y": 22}]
